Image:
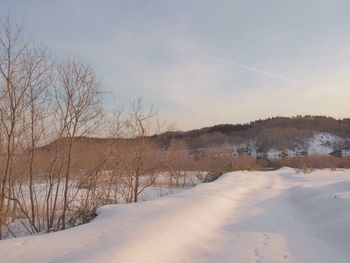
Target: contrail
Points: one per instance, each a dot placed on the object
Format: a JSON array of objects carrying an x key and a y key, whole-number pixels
[{"x": 255, "y": 69}]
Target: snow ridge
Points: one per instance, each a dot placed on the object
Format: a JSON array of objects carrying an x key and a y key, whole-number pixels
[{"x": 276, "y": 216}]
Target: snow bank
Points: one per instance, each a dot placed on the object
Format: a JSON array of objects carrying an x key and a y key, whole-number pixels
[{"x": 276, "y": 216}]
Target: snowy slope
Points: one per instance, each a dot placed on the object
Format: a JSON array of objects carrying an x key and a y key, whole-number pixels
[
  {"x": 323, "y": 143},
  {"x": 277, "y": 216},
  {"x": 319, "y": 144}
]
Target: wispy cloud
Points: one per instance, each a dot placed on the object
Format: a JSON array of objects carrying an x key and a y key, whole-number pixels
[
  {"x": 272, "y": 74},
  {"x": 206, "y": 63}
]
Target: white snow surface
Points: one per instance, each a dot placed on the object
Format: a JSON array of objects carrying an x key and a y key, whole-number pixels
[{"x": 275, "y": 216}]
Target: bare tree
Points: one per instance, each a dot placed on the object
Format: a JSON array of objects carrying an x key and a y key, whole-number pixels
[
  {"x": 14, "y": 85},
  {"x": 176, "y": 162},
  {"x": 143, "y": 163},
  {"x": 78, "y": 99}
]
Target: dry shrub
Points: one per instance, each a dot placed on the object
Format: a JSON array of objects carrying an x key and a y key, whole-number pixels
[
  {"x": 308, "y": 163},
  {"x": 244, "y": 163},
  {"x": 216, "y": 166}
]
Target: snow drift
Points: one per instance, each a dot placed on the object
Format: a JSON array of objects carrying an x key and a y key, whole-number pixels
[{"x": 277, "y": 216}]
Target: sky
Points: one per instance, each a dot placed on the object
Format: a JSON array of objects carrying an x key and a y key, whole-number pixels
[{"x": 202, "y": 62}]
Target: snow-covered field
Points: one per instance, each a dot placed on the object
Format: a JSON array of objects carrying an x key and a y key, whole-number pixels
[
  {"x": 276, "y": 216},
  {"x": 165, "y": 183}
]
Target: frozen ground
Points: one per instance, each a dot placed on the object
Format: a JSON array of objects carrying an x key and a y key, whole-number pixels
[{"x": 277, "y": 216}]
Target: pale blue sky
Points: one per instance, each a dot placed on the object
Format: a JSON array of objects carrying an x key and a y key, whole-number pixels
[{"x": 206, "y": 62}]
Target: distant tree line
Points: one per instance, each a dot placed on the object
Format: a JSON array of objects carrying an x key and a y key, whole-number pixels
[{"x": 271, "y": 132}]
